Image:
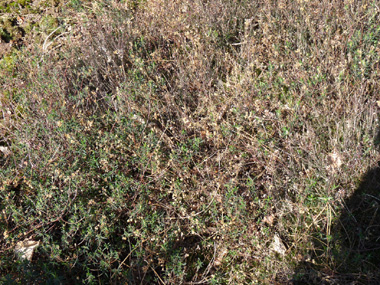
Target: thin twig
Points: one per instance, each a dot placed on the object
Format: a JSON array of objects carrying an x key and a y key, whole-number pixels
[
  {"x": 129, "y": 254},
  {"x": 44, "y": 46},
  {"x": 158, "y": 276}
]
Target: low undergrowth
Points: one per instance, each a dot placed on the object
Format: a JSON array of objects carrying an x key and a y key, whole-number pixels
[{"x": 177, "y": 142}]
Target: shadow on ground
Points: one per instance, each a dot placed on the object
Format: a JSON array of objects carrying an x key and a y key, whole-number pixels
[{"x": 354, "y": 250}]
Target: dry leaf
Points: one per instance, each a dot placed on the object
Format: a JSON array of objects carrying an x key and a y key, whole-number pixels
[
  {"x": 24, "y": 249},
  {"x": 219, "y": 258},
  {"x": 5, "y": 150},
  {"x": 269, "y": 220},
  {"x": 335, "y": 161},
  {"x": 277, "y": 245}
]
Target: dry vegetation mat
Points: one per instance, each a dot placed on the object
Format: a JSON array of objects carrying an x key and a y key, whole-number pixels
[{"x": 189, "y": 142}]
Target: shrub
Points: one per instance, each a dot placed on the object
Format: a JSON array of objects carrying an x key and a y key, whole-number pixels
[{"x": 174, "y": 142}]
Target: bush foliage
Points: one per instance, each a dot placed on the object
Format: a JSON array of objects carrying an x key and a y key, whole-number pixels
[{"x": 171, "y": 142}]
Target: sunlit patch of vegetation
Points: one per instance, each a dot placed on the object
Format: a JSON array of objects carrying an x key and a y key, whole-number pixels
[{"x": 187, "y": 142}]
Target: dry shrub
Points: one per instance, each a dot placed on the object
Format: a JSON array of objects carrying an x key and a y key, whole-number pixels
[{"x": 192, "y": 134}]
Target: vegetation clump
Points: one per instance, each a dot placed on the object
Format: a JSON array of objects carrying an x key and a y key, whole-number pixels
[{"x": 191, "y": 142}]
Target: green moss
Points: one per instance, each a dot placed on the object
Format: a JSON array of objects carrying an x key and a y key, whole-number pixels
[
  {"x": 23, "y": 3},
  {"x": 10, "y": 31},
  {"x": 29, "y": 27},
  {"x": 8, "y": 62},
  {"x": 48, "y": 23}
]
